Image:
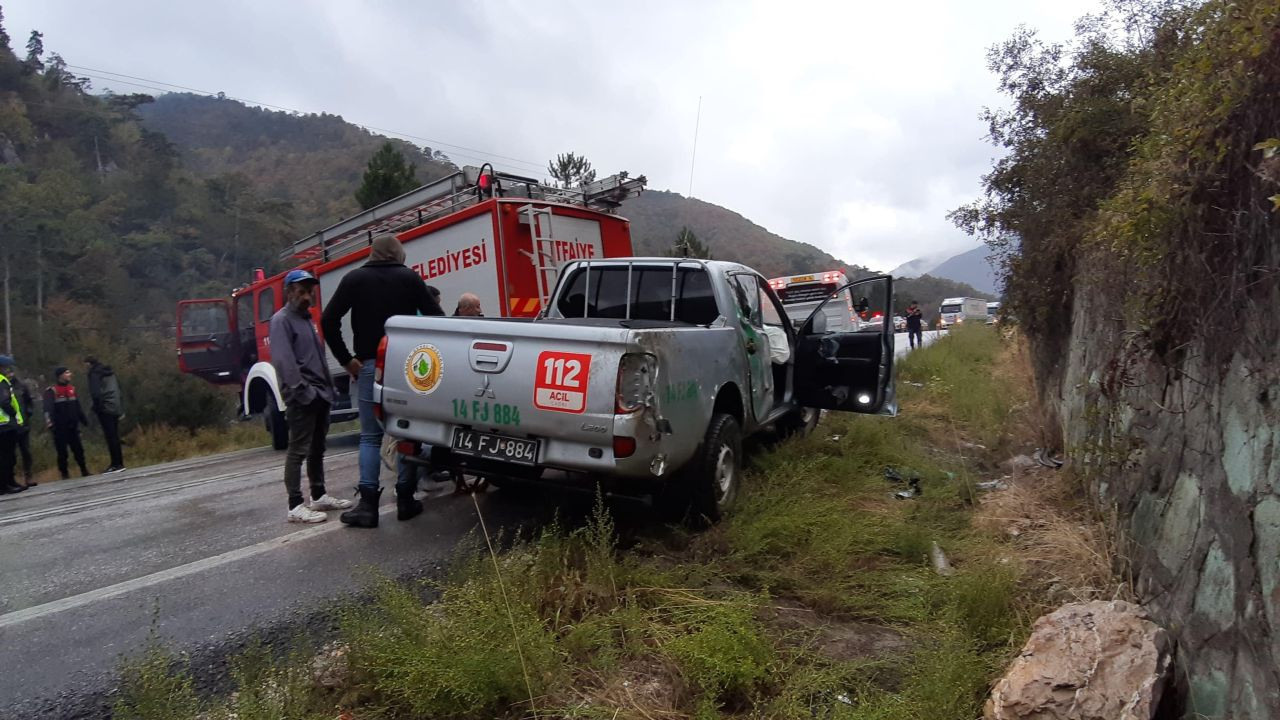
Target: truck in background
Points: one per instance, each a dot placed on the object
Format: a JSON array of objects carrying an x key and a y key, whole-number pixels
[
  {"x": 954, "y": 311},
  {"x": 500, "y": 236},
  {"x": 801, "y": 294},
  {"x": 993, "y": 312}
]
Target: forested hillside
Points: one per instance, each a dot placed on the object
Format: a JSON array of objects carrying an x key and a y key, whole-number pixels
[
  {"x": 102, "y": 228},
  {"x": 314, "y": 162}
]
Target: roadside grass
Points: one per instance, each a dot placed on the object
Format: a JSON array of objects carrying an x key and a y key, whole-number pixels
[{"x": 817, "y": 598}]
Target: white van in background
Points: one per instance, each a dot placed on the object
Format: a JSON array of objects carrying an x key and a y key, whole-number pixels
[{"x": 953, "y": 311}]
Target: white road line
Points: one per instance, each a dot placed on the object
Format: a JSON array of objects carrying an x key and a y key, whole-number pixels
[
  {"x": 71, "y": 508},
  {"x": 121, "y": 588}
]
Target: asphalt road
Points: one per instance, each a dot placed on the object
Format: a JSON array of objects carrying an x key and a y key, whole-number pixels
[
  {"x": 199, "y": 548},
  {"x": 199, "y": 551}
]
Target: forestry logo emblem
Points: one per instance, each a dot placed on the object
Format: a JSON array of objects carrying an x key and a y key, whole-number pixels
[{"x": 423, "y": 369}]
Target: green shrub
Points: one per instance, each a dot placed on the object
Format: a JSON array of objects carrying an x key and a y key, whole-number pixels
[
  {"x": 720, "y": 648},
  {"x": 468, "y": 655},
  {"x": 154, "y": 686}
]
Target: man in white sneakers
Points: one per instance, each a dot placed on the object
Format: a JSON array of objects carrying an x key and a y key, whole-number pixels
[{"x": 307, "y": 387}]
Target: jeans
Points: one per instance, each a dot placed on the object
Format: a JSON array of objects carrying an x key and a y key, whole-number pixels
[
  {"x": 916, "y": 337},
  {"x": 111, "y": 431},
  {"x": 308, "y": 426},
  {"x": 371, "y": 441}
]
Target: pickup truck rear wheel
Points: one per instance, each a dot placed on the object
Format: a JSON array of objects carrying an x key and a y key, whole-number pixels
[{"x": 715, "y": 473}]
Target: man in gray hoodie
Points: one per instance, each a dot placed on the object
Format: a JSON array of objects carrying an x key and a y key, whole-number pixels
[
  {"x": 108, "y": 405},
  {"x": 379, "y": 289}
]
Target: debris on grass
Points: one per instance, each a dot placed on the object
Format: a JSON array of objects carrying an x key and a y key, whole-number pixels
[{"x": 940, "y": 563}]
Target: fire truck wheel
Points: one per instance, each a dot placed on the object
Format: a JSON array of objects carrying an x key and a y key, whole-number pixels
[{"x": 277, "y": 426}]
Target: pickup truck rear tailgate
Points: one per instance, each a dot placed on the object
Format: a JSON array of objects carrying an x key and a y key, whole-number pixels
[{"x": 519, "y": 379}]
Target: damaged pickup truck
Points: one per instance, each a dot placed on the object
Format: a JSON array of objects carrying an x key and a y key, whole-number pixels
[{"x": 641, "y": 375}]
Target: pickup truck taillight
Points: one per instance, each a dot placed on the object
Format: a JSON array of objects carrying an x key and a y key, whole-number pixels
[
  {"x": 635, "y": 382},
  {"x": 381, "y": 362}
]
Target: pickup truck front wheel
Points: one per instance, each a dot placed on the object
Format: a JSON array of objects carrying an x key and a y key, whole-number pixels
[{"x": 715, "y": 473}]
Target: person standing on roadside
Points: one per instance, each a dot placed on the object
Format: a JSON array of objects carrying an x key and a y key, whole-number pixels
[
  {"x": 63, "y": 415},
  {"x": 915, "y": 325},
  {"x": 27, "y": 391},
  {"x": 468, "y": 306},
  {"x": 381, "y": 288},
  {"x": 307, "y": 387},
  {"x": 11, "y": 421},
  {"x": 108, "y": 405}
]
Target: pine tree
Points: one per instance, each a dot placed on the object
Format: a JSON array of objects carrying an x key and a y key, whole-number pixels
[
  {"x": 688, "y": 245},
  {"x": 388, "y": 176},
  {"x": 4, "y": 36},
  {"x": 571, "y": 170},
  {"x": 35, "y": 50}
]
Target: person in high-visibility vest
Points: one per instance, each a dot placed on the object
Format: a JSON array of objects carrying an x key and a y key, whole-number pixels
[{"x": 11, "y": 421}]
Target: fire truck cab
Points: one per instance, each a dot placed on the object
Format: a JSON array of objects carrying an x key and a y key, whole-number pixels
[{"x": 499, "y": 236}]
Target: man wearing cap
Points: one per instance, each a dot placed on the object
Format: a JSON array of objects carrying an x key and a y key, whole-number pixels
[
  {"x": 381, "y": 288},
  {"x": 307, "y": 387},
  {"x": 11, "y": 421},
  {"x": 64, "y": 415}
]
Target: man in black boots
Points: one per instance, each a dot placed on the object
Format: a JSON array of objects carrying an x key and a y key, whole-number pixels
[
  {"x": 63, "y": 415},
  {"x": 11, "y": 421},
  {"x": 379, "y": 289}
]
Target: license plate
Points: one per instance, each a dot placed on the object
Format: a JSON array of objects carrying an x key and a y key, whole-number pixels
[{"x": 495, "y": 447}]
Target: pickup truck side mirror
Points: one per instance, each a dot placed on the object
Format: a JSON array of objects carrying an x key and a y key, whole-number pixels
[{"x": 862, "y": 305}]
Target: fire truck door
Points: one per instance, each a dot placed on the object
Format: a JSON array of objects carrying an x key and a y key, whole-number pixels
[{"x": 208, "y": 345}]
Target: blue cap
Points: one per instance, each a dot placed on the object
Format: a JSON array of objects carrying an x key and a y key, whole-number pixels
[
  {"x": 6, "y": 361},
  {"x": 296, "y": 276}
]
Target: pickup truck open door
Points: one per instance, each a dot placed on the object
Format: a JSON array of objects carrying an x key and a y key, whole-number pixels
[{"x": 850, "y": 370}]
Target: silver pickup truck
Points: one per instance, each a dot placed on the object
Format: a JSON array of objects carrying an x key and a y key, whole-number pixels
[{"x": 642, "y": 375}]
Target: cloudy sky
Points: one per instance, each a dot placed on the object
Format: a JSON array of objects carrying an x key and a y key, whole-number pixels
[{"x": 850, "y": 125}]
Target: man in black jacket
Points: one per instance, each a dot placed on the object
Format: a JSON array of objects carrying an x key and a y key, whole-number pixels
[
  {"x": 915, "y": 325},
  {"x": 383, "y": 287},
  {"x": 108, "y": 405},
  {"x": 64, "y": 415}
]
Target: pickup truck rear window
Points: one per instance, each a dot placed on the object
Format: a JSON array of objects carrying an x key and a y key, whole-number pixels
[{"x": 650, "y": 295}]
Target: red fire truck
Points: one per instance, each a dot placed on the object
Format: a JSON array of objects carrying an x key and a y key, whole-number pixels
[{"x": 500, "y": 236}]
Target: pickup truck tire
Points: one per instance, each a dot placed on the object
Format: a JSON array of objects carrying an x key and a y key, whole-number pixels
[
  {"x": 714, "y": 475},
  {"x": 277, "y": 426}
]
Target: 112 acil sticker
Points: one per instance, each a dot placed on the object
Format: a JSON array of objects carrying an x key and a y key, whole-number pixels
[{"x": 561, "y": 381}]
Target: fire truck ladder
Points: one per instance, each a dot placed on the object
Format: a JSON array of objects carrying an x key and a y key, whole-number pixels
[
  {"x": 448, "y": 195},
  {"x": 543, "y": 255}
]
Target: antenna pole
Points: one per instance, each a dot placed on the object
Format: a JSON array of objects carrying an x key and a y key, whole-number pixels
[{"x": 694, "y": 157}]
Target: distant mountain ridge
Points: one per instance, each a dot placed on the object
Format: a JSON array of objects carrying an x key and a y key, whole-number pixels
[{"x": 970, "y": 267}]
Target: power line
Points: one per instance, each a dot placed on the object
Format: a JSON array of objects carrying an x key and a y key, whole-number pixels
[{"x": 151, "y": 84}]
